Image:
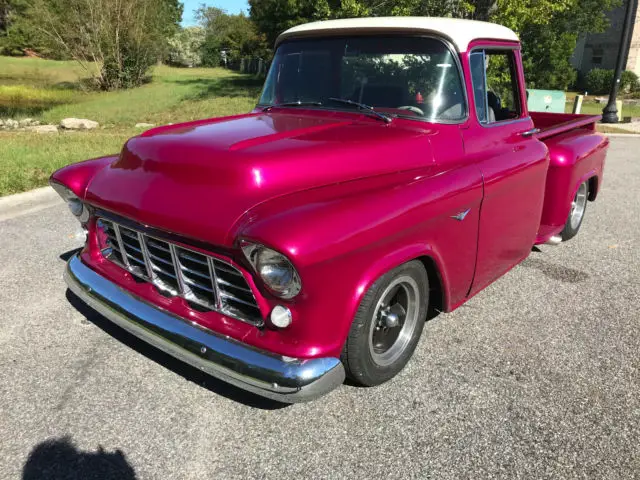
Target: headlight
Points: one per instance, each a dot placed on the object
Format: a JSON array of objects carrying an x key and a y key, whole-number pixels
[
  {"x": 78, "y": 209},
  {"x": 275, "y": 270}
]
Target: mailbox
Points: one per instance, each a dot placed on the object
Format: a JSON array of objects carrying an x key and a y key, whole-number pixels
[{"x": 546, "y": 101}]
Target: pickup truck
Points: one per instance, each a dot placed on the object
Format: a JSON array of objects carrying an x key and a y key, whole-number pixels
[{"x": 390, "y": 171}]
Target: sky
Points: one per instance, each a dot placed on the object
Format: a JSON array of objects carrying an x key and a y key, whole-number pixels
[{"x": 231, "y": 6}]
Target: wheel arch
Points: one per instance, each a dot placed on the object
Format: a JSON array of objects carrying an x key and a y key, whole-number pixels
[
  {"x": 436, "y": 290},
  {"x": 428, "y": 257},
  {"x": 593, "y": 188}
]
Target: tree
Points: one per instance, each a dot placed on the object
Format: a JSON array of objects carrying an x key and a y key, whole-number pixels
[
  {"x": 122, "y": 38},
  {"x": 548, "y": 29},
  {"x": 236, "y": 35},
  {"x": 185, "y": 47},
  {"x": 272, "y": 17},
  {"x": 13, "y": 37}
]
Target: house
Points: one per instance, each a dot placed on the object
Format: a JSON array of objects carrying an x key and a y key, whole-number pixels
[{"x": 600, "y": 50}]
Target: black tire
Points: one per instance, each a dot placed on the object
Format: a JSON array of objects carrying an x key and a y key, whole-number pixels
[
  {"x": 359, "y": 354},
  {"x": 574, "y": 221}
]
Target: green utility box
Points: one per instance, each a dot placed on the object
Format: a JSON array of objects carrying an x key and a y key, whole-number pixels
[{"x": 546, "y": 101}]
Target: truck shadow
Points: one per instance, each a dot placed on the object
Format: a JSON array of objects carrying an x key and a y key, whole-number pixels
[
  {"x": 167, "y": 361},
  {"x": 556, "y": 272},
  {"x": 59, "y": 458}
]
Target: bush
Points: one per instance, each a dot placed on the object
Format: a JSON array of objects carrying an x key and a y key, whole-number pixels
[
  {"x": 598, "y": 81},
  {"x": 185, "y": 47},
  {"x": 630, "y": 82},
  {"x": 125, "y": 37}
]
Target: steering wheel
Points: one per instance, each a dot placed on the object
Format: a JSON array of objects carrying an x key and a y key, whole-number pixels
[{"x": 413, "y": 109}]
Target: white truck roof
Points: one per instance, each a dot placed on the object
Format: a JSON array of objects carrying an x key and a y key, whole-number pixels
[{"x": 459, "y": 32}]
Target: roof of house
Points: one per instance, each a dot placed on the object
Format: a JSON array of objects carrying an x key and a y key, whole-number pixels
[{"x": 459, "y": 32}]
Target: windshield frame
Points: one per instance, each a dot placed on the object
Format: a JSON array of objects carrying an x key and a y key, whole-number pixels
[{"x": 448, "y": 45}]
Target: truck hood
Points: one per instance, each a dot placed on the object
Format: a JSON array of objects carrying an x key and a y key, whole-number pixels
[{"x": 196, "y": 179}]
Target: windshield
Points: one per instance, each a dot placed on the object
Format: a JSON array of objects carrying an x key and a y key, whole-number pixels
[{"x": 401, "y": 76}]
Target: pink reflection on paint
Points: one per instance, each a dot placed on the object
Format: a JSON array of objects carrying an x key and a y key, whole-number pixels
[{"x": 257, "y": 176}]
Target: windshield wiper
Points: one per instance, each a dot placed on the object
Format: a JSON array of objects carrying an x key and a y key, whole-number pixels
[
  {"x": 362, "y": 106},
  {"x": 292, "y": 104}
]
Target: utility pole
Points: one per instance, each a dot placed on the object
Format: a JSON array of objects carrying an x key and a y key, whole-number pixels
[{"x": 610, "y": 112}]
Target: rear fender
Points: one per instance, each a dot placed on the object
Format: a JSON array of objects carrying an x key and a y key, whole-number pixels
[{"x": 576, "y": 157}]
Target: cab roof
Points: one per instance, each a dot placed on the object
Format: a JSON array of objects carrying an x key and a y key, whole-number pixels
[{"x": 460, "y": 32}]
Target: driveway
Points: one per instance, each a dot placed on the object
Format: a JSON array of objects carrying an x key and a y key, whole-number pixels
[{"x": 536, "y": 377}]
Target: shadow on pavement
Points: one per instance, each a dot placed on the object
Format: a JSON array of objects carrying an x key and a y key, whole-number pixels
[
  {"x": 559, "y": 273},
  {"x": 60, "y": 459},
  {"x": 184, "y": 370}
]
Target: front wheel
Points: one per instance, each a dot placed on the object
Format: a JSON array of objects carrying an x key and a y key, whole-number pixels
[
  {"x": 576, "y": 215},
  {"x": 388, "y": 325}
]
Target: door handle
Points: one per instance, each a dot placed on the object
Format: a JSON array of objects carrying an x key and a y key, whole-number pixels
[{"x": 530, "y": 133}]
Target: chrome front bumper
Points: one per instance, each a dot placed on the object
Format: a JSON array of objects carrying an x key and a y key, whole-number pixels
[{"x": 273, "y": 376}]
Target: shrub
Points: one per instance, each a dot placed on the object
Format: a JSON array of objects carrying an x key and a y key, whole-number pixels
[
  {"x": 185, "y": 47},
  {"x": 598, "y": 81},
  {"x": 125, "y": 37},
  {"x": 630, "y": 83}
]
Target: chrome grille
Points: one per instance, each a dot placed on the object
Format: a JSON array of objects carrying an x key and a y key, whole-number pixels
[{"x": 206, "y": 282}]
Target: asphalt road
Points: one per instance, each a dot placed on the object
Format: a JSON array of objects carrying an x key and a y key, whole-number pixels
[{"x": 536, "y": 377}]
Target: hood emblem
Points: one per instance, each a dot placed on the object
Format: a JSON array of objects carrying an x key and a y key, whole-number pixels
[{"x": 461, "y": 216}]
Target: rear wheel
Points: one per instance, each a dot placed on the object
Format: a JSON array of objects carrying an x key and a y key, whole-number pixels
[
  {"x": 388, "y": 325},
  {"x": 576, "y": 214}
]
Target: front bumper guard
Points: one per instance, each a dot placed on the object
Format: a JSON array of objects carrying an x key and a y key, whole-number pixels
[{"x": 284, "y": 379}]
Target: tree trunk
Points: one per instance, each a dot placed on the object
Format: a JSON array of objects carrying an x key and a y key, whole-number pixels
[{"x": 483, "y": 10}]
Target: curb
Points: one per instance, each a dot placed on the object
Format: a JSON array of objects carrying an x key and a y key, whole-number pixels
[
  {"x": 628, "y": 135},
  {"x": 19, "y": 204}
]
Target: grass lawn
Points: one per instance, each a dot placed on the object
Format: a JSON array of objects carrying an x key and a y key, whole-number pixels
[
  {"x": 50, "y": 91},
  {"x": 27, "y": 159},
  {"x": 596, "y": 109},
  {"x": 591, "y": 107}
]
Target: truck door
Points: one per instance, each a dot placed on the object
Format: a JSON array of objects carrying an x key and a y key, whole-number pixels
[{"x": 512, "y": 161}]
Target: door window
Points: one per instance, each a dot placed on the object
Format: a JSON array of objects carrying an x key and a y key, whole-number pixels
[{"x": 495, "y": 85}]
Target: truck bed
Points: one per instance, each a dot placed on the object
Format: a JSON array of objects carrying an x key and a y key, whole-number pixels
[{"x": 551, "y": 124}]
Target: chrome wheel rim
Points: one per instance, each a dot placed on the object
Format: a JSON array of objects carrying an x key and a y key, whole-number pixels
[
  {"x": 578, "y": 206},
  {"x": 394, "y": 320}
]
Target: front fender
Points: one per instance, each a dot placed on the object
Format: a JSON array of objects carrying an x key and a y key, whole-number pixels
[
  {"x": 343, "y": 237},
  {"x": 77, "y": 176}
]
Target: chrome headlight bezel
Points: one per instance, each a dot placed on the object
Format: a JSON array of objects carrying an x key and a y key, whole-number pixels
[
  {"x": 76, "y": 206},
  {"x": 274, "y": 269}
]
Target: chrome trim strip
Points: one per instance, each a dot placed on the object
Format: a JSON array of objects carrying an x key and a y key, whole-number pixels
[
  {"x": 284, "y": 379},
  {"x": 236, "y": 299},
  {"x": 183, "y": 289},
  {"x": 214, "y": 282},
  {"x": 227, "y": 267},
  {"x": 116, "y": 228},
  {"x": 176, "y": 253},
  {"x": 145, "y": 255}
]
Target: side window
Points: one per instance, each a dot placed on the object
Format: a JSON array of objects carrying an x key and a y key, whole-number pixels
[{"x": 495, "y": 81}]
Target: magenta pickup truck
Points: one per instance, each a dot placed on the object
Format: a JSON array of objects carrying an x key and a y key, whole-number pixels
[{"x": 389, "y": 171}]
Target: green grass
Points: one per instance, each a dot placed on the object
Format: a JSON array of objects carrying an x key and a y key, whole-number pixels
[
  {"x": 591, "y": 107},
  {"x": 27, "y": 160},
  {"x": 31, "y": 100},
  {"x": 50, "y": 91},
  {"x": 39, "y": 73}
]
